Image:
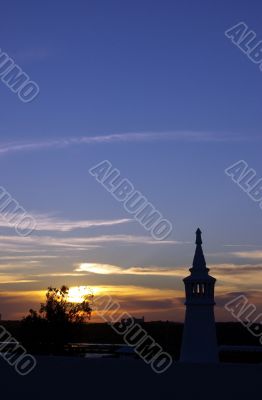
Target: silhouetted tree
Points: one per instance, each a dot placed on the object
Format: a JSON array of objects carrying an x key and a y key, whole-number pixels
[
  {"x": 51, "y": 328},
  {"x": 58, "y": 309}
]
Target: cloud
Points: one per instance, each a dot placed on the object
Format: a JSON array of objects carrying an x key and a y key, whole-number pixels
[
  {"x": 235, "y": 277},
  {"x": 158, "y": 271},
  {"x": 54, "y": 224},
  {"x": 235, "y": 269},
  {"x": 141, "y": 306},
  {"x": 229, "y": 277},
  {"x": 253, "y": 254},
  {"x": 22, "y": 258},
  {"x": 99, "y": 268},
  {"x": 221, "y": 269},
  {"x": 18, "y": 265},
  {"x": 20, "y": 244},
  {"x": 240, "y": 245},
  {"x": 11, "y": 279},
  {"x": 187, "y": 136},
  {"x": 48, "y": 223},
  {"x": 107, "y": 269}
]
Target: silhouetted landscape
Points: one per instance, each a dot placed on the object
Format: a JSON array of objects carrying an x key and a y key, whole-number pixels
[
  {"x": 166, "y": 333},
  {"x": 131, "y": 199}
]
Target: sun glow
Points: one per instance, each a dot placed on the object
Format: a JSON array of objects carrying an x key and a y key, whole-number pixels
[{"x": 77, "y": 294}]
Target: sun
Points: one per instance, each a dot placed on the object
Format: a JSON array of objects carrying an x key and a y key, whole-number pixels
[{"x": 76, "y": 294}]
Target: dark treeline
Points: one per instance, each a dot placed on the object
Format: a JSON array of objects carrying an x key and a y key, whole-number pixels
[{"x": 167, "y": 334}]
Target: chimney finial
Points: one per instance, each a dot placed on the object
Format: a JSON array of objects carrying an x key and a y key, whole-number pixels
[{"x": 198, "y": 236}]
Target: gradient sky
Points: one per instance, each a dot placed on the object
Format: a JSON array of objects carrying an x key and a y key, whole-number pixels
[{"x": 158, "y": 89}]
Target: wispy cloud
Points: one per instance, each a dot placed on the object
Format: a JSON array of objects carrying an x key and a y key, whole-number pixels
[
  {"x": 48, "y": 223},
  {"x": 229, "y": 276},
  {"x": 187, "y": 136},
  {"x": 34, "y": 243},
  {"x": 106, "y": 269},
  {"x": 22, "y": 258},
  {"x": 252, "y": 254},
  {"x": 14, "y": 279},
  {"x": 19, "y": 265}
]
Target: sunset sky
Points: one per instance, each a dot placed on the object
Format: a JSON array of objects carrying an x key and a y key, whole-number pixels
[{"x": 156, "y": 88}]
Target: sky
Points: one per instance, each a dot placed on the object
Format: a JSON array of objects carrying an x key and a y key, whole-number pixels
[{"x": 157, "y": 89}]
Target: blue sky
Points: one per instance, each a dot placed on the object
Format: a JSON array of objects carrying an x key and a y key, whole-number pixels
[{"x": 158, "y": 89}]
